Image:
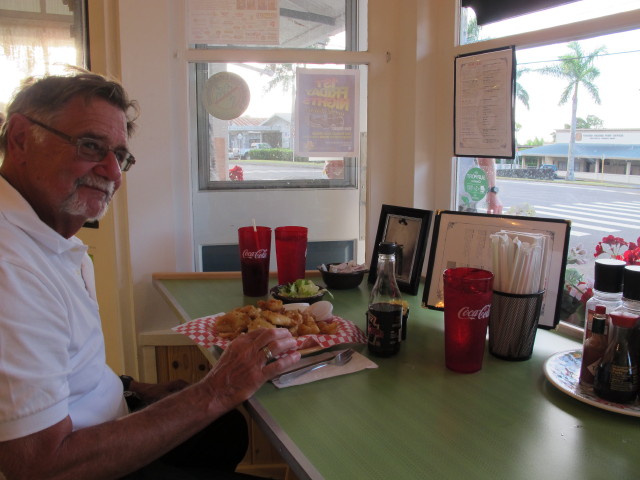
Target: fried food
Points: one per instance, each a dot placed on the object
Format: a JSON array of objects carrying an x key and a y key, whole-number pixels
[
  {"x": 272, "y": 305},
  {"x": 278, "y": 319},
  {"x": 271, "y": 314},
  {"x": 232, "y": 324}
]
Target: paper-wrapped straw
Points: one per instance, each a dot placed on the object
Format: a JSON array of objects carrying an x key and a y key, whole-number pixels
[
  {"x": 520, "y": 261},
  {"x": 255, "y": 233}
]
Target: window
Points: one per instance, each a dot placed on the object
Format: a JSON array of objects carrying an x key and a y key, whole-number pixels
[
  {"x": 595, "y": 186},
  {"x": 248, "y": 158},
  {"x": 255, "y": 147},
  {"x": 39, "y": 38},
  {"x": 473, "y": 29}
]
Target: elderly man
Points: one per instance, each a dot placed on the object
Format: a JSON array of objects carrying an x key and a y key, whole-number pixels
[{"x": 62, "y": 412}]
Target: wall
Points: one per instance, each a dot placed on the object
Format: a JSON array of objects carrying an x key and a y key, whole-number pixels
[{"x": 154, "y": 205}]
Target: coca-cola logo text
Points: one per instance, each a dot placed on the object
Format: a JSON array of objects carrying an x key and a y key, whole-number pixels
[
  {"x": 258, "y": 254},
  {"x": 469, "y": 314}
]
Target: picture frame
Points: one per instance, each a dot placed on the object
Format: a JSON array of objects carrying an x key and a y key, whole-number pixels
[
  {"x": 484, "y": 103},
  {"x": 461, "y": 239},
  {"x": 409, "y": 228}
]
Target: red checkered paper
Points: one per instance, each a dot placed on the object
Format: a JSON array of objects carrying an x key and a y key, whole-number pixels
[{"x": 203, "y": 332}]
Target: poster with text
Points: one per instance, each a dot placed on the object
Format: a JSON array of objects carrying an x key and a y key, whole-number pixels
[
  {"x": 484, "y": 104},
  {"x": 234, "y": 22},
  {"x": 326, "y": 116}
]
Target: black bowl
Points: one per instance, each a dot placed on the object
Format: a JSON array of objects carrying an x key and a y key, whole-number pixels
[
  {"x": 341, "y": 281},
  {"x": 286, "y": 299}
]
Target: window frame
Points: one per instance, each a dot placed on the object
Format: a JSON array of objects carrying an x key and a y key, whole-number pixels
[
  {"x": 615, "y": 23},
  {"x": 200, "y": 55}
]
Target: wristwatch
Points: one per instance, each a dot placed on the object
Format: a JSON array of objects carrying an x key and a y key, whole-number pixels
[
  {"x": 126, "y": 382},
  {"x": 134, "y": 402},
  {"x": 494, "y": 190}
]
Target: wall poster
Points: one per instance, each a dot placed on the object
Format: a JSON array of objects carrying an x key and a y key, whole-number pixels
[
  {"x": 484, "y": 101},
  {"x": 327, "y": 113}
]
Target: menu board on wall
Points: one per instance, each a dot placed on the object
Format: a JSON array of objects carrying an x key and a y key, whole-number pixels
[
  {"x": 234, "y": 22},
  {"x": 326, "y": 114},
  {"x": 484, "y": 101}
]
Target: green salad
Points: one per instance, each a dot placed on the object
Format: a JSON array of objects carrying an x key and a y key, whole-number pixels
[{"x": 301, "y": 289}]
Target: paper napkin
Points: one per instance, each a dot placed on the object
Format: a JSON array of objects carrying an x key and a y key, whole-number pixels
[{"x": 358, "y": 362}]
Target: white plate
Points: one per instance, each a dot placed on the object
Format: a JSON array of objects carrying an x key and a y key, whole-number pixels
[{"x": 563, "y": 371}]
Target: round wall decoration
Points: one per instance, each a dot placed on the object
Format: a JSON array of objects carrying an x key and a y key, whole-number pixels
[{"x": 226, "y": 96}]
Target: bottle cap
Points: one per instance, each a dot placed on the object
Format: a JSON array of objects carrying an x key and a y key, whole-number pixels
[
  {"x": 387, "y": 248},
  {"x": 601, "y": 310},
  {"x": 598, "y": 324},
  {"x": 623, "y": 320},
  {"x": 631, "y": 289},
  {"x": 608, "y": 275}
]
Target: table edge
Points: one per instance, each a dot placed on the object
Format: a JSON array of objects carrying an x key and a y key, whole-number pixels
[{"x": 289, "y": 451}]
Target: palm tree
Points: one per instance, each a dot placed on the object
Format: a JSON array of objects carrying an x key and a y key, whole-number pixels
[
  {"x": 578, "y": 69},
  {"x": 521, "y": 93}
]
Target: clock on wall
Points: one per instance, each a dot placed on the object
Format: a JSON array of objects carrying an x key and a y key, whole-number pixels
[{"x": 226, "y": 96}]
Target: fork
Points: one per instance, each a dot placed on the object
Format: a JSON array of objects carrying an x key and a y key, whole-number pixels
[{"x": 340, "y": 359}]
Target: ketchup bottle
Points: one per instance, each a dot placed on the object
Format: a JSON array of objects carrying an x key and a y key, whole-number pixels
[{"x": 616, "y": 378}]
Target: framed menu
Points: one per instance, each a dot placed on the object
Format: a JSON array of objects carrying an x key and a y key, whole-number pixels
[
  {"x": 462, "y": 239},
  {"x": 484, "y": 102}
]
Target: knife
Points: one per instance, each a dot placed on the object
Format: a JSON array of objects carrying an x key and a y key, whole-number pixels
[{"x": 309, "y": 365}]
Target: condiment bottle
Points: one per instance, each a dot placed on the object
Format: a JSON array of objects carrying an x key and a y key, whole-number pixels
[
  {"x": 594, "y": 346},
  {"x": 384, "y": 316},
  {"x": 616, "y": 377},
  {"x": 607, "y": 290},
  {"x": 631, "y": 301}
]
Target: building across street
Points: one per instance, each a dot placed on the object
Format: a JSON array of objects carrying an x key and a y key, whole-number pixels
[{"x": 600, "y": 154}]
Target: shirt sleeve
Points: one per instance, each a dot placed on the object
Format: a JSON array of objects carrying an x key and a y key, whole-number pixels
[{"x": 34, "y": 357}]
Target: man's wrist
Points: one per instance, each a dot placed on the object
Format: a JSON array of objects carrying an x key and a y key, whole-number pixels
[
  {"x": 126, "y": 382},
  {"x": 494, "y": 190}
]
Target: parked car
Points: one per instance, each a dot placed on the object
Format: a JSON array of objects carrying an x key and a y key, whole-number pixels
[{"x": 548, "y": 166}]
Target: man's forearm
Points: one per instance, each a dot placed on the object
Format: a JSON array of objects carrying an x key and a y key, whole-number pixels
[{"x": 112, "y": 449}]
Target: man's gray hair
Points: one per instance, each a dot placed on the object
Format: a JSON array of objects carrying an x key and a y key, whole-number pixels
[{"x": 44, "y": 97}]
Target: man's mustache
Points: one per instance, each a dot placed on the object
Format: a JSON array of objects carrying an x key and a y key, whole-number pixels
[{"x": 97, "y": 182}]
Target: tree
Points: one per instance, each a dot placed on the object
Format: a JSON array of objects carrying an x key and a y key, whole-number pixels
[
  {"x": 578, "y": 69},
  {"x": 521, "y": 93},
  {"x": 591, "y": 122},
  {"x": 536, "y": 142}
]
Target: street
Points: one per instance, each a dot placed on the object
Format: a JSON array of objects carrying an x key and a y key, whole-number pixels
[
  {"x": 264, "y": 170},
  {"x": 594, "y": 211}
]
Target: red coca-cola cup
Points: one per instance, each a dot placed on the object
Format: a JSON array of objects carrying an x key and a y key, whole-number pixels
[
  {"x": 255, "y": 250},
  {"x": 467, "y": 306},
  {"x": 291, "y": 253}
]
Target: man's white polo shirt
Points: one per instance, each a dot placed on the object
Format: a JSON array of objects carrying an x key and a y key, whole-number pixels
[{"x": 52, "y": 357}]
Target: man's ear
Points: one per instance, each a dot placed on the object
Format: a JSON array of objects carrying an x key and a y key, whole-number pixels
[{"x": 17, "y": 136}]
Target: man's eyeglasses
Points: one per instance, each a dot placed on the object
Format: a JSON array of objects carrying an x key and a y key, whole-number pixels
[{"x": 91, "y": 149}]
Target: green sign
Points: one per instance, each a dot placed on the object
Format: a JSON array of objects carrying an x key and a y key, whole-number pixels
[{"x": 476, "y": 183}]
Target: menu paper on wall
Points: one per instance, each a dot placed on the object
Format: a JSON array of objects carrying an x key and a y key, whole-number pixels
[
  {"x": 327, "y": 112},
  {"x": 234, "y": 22},
  {"x": 484, "y": 102}
]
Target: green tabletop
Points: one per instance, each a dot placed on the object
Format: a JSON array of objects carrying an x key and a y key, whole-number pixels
[{"x": 413, "y": 418}]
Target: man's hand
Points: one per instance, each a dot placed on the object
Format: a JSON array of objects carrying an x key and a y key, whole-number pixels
[{"x": 243, "y": 368}]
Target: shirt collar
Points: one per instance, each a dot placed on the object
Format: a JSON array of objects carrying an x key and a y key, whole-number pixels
[{"x": 19, "y": 212}]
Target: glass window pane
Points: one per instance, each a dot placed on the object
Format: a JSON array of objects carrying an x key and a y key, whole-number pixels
[
  {"x": 317, "y": 24},
  {"x": 254, "y": 148},
  {"x": 36, "y": 42},
  {"x": 603, "y": 199},
  {"x": 573, "y": 12}
]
